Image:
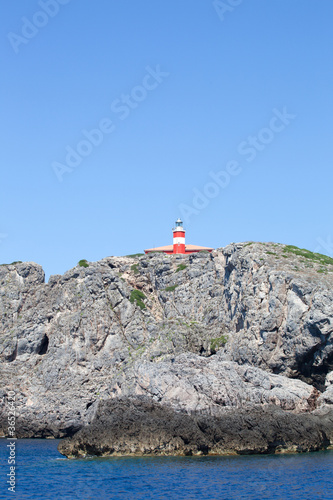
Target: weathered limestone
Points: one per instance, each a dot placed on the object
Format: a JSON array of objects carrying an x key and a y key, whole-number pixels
[{"x": 248, "y": 326}]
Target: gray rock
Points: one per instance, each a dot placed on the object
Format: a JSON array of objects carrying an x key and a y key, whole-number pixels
[
  {"x": 247, "y": 325},
  {"x": 140, "y": 426}
]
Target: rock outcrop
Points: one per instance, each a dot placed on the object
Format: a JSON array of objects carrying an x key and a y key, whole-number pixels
[
  {"x": 249, "y": 326},
  {"x": 140, "y": 426}
]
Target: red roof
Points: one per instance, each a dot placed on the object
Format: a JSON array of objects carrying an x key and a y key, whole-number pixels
[
  {"x": 167, "y": 248},
  {"x": 188, "y": 248},
  {"x": 197, "y": 247}
]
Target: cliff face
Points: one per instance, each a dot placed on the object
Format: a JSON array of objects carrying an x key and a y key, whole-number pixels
[{"x": 248, "y": 325}]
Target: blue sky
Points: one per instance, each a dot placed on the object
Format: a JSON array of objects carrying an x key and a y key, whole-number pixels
[{"x": 180, "y": 91}]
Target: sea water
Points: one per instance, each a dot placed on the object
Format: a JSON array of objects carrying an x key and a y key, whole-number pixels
[{"x": 42, "y": 473}]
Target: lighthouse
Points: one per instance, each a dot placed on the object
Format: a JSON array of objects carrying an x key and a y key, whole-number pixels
[
  {"x": 179, "y": 246},
  {"x": 178, "y": 237}
]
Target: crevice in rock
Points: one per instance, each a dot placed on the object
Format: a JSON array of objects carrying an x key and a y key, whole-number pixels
[
  {"x": 228, "y": 270},
  {"x": 102, "y": 344},
  {"x": 239, "y": 324},
  {"x": 325, "y": 440},
  {"x": 20, "y": 307},
  {"x": 274, "y": 445},
  {"x": 13, "y": 355},
  {"x": 314, "y": 330},
  {"x": 310, "y": 374},
  {"x": 43, "y": 346}
]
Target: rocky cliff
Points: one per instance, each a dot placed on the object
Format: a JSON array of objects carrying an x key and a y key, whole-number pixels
[{"x": 245, "y": 329}]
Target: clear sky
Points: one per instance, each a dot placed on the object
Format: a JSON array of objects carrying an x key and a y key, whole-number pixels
[{"x": 120, "y": 116}]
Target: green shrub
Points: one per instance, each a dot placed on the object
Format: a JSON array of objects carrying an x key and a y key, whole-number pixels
[
  {"x": 138, "y": 296},
  {"x": 13, "y": 263},
  {"x": 181, "y": 267},
  {"x": 133, "y": 255},
  {"x": 314, "y": 257},
  {"x": 171, "y": 288},
  {"x": 218, "y": 342},
  {"x": 83, "y": 263},
  {"x": 270, "y": 253},
  {"x": 135, "y": 269}
]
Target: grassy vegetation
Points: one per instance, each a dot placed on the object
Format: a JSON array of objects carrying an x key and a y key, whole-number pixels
[
  {"x": 134, "y": 255},
  {"x": 12, "y": 263},
  {"x": 171, "y": 288},
  {"x": 181, "y": 267},
  {"x": 314, "y": 257},
  {"x": 248, "y": 244},
  {"x": 271, "y": 253},
  {"x": 218, "y": 342},
  {"x": 138, "y": 296},
  {"x": 83, "y": 263},
  {"x": 190, "y": 324},
  {"x": 135, "y": 269}
]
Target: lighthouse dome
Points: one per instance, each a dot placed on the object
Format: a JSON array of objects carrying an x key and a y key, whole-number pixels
[{"x": 179, "y": 224}]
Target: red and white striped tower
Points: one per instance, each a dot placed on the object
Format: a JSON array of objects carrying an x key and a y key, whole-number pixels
[{"x": 178, "y": 237}]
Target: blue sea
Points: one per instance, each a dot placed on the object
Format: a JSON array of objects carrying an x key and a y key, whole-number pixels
[{"x": 42, "y": 473}]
